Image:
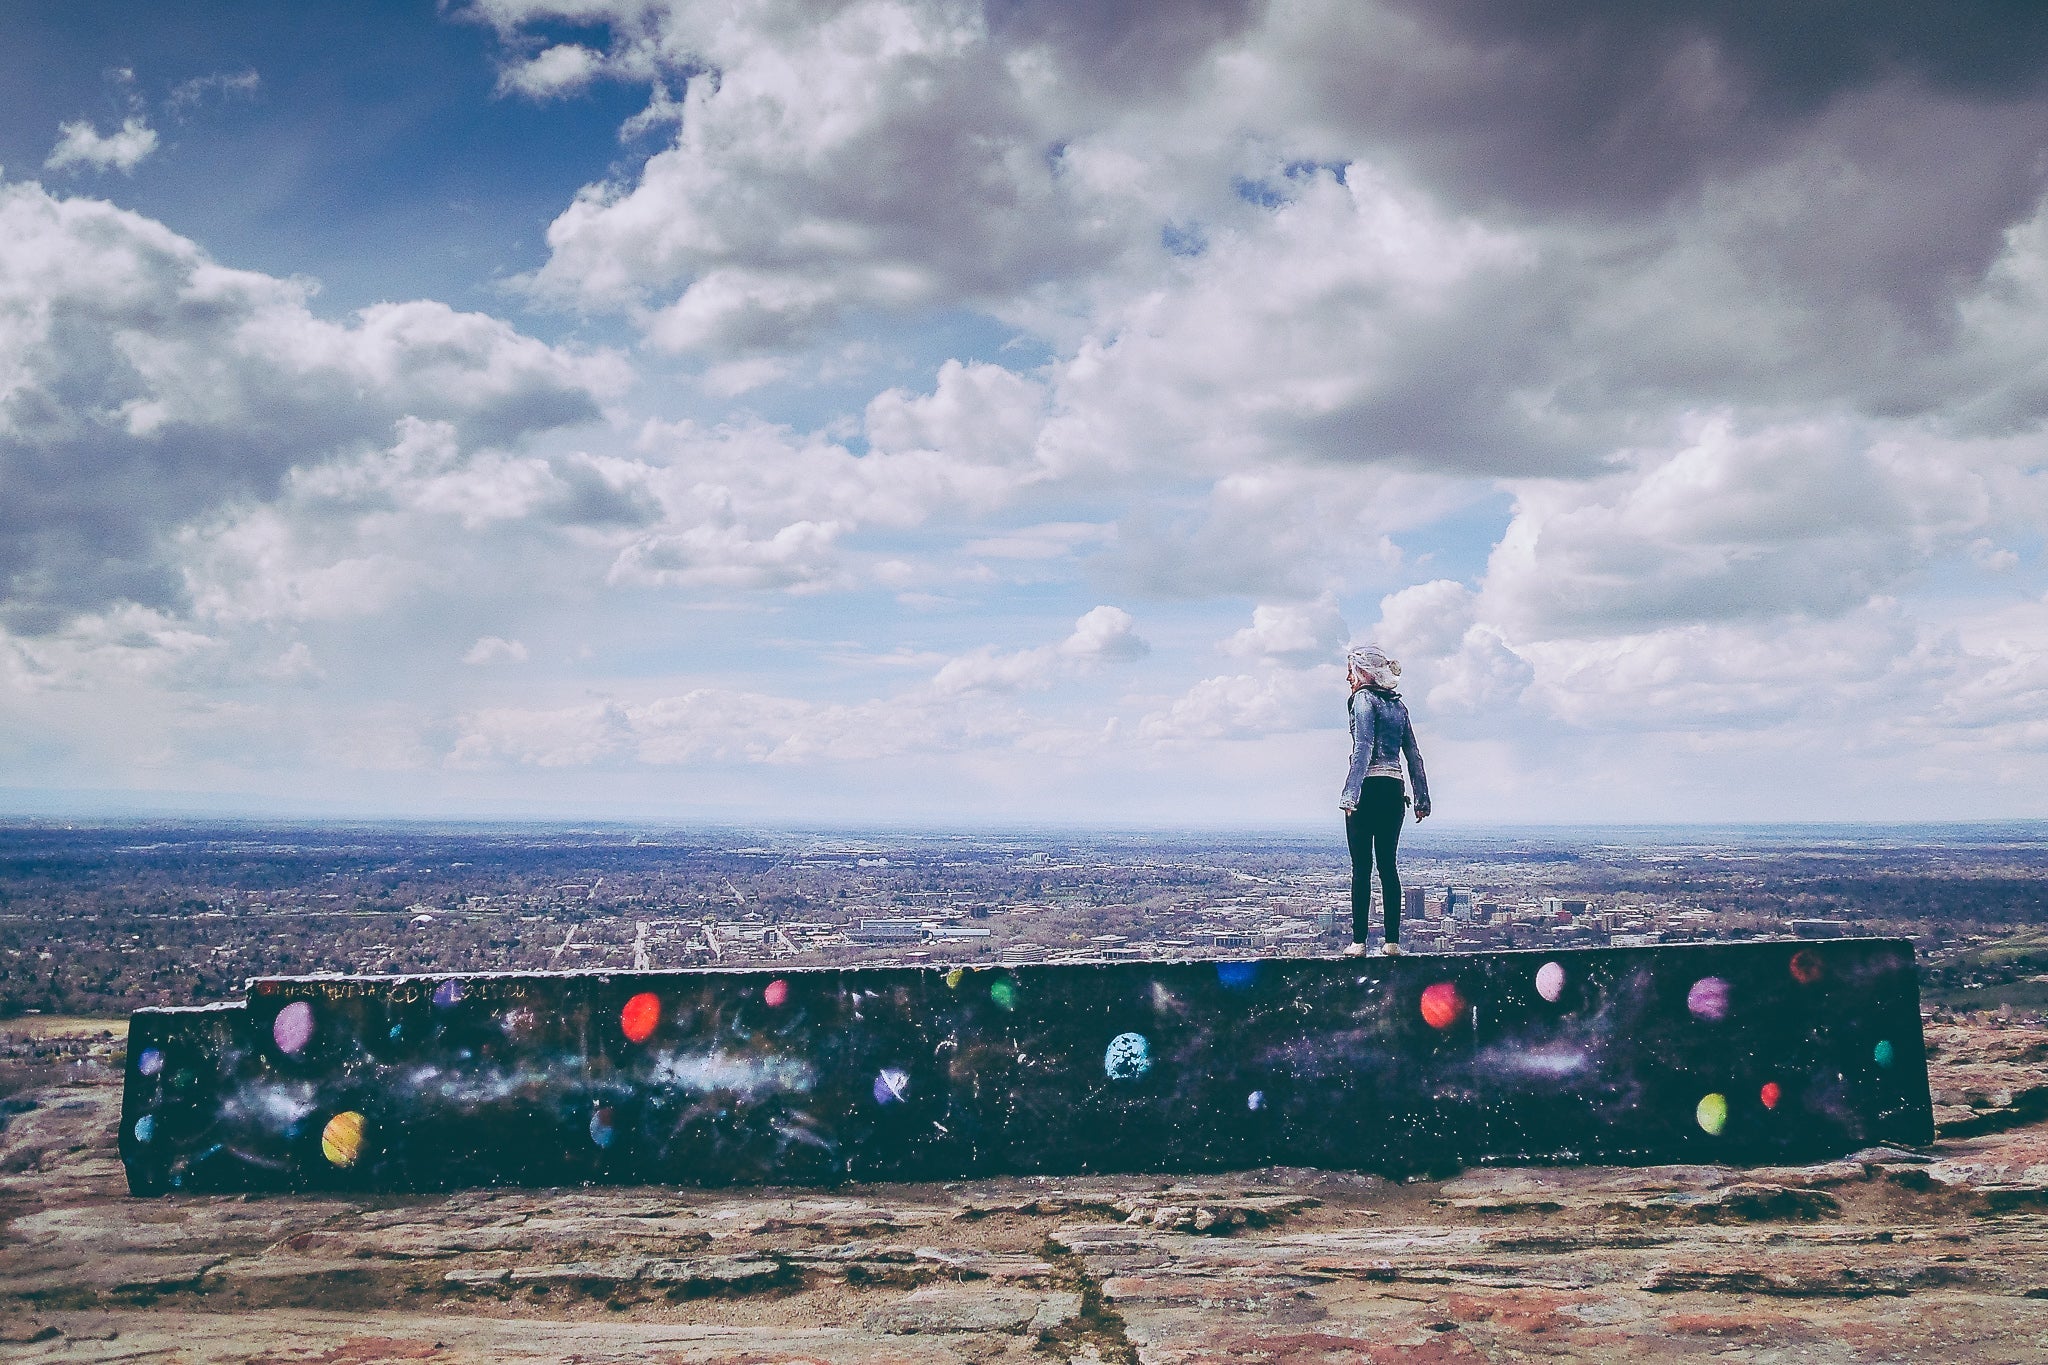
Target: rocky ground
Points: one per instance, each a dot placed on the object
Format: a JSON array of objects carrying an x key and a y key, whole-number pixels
[{"x": 1888, "y": 1255}]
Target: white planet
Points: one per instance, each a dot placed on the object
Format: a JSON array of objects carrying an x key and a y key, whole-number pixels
[{"x": 1550, "y": 981}]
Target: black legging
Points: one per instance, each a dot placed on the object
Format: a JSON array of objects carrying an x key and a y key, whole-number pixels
[{"x": 1373, "y": 830}]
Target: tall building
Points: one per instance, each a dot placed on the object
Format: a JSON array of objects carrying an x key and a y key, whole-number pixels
[
  {"x": 1413, "y": 901},
  {"x": 1562, "y": 911},
  {"x": 1460, "y": 903}
]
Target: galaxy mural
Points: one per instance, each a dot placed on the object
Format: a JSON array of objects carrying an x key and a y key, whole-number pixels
[{"x": 1742, "y": 1053}]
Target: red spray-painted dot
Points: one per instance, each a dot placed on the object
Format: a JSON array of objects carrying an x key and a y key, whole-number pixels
[{"x": 640, "y": 1016}]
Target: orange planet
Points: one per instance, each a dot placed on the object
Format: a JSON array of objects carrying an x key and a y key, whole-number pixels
[
  {"x": 640, "y": 1016},
  {"x": 341, "y": 1141},
  {"x": 1807, "y": 967},
  {"x": 1441, "y": 1005}
]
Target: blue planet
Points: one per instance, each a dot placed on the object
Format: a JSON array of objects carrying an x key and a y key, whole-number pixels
[
  {"x": 1255, "y": 1101},
  {"x": 1129, "y": 1057},
  {"x": 1237, "y": 976},
  {"x": 145, "y": 1128},
  {"x": 601, "y": 1130},
  {"x": 150, "y": 1062}
]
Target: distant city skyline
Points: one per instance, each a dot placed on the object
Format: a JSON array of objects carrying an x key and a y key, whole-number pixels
[{"x": 973, "y": 414}]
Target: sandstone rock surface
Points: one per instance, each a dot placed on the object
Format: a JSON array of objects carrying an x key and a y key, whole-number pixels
[{"x": 1887, "y": 1255}]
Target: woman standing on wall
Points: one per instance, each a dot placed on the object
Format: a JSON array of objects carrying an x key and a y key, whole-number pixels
[{"x": 1374, "y": 798}]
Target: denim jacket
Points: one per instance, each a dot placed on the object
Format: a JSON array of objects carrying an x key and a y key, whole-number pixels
[{"x": 1380, "y": 736}]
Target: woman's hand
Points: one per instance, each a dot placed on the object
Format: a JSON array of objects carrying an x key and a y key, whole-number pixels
[{"x": 1421, "y": 813}]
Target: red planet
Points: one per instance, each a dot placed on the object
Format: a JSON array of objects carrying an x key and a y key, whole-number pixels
[
  {"x": 1441, "y": 1005},
  {"x": 640, "y": 1016},
  {"x": 1770, "y": 1094}
]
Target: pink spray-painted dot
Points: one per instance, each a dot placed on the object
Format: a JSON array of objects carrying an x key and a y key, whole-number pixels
[
  {"x": 776, "y": 994},
  {"x": 293, "y": 1027}
]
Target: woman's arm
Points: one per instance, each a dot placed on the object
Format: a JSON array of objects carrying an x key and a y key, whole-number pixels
[
  {"x": 1416, "y": 776},
  {"x": 1361, "y": 751}
]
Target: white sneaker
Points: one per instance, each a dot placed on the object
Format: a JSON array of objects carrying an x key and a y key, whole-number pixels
[
  {"x": 1355, "y": 950},
  {"x": 1392, "y": 950}
]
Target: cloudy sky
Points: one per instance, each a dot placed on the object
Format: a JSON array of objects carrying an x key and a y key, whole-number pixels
[{"x": 1004, "y": 411}]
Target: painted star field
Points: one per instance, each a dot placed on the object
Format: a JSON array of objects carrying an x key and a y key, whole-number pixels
[{"x": 1735, "y": 1053}]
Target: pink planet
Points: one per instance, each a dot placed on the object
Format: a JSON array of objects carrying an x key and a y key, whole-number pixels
[
  {"x": 776, "y": 993},
  {"x": 1550, "y": 981},
  {"x": 293, "y": 1027},
  {"x": 1708, "y": 998}
]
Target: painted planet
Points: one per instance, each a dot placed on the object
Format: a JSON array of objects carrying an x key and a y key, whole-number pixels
[
  {"x": 1807, "y": 967},
  {"x": 892, "y": 1086},
  {"x": 1255, "y": 1101},
  {"x": 1884, "y": 1053},
  {"x": 341, "y": 1141},
  {"x": 1550, "y": 981},
  {"x": 641, "y": 1016},
  {"x": 1708, "y": 999},
  {"x": 601, "y": 1130},
  {"x": 955, "y": 977},
  {"x": 145, "y": 1128},
  {"x": 150, "y": 1062},
  {"x": 1002, "y": 993},
  {"x": 1128, "y": 1058},
  {"x": 1712, "y": 1114},
  {"x": 293, "y": 1027},
  {"x": 1237, "y": 976},
  {"x": 776, "y": 993},
  {"x": 448, "y": 994},
  {"x": 1442, "y": 1006},
  {"x": 1771, "y": 1094}
]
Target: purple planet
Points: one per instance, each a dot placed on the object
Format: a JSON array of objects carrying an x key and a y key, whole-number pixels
[
  {"x": 293, "y": 1028},
  {"x": 1550, "y": 981},
  {"x": 150, "y": 1062},
  {"x": 1708, "y": 998}
]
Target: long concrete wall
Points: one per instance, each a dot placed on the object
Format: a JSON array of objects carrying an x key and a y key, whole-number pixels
[{"x": 1743, "y": 1053}]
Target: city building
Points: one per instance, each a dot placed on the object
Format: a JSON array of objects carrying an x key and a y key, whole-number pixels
[{"x": 889, "y": 931}]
